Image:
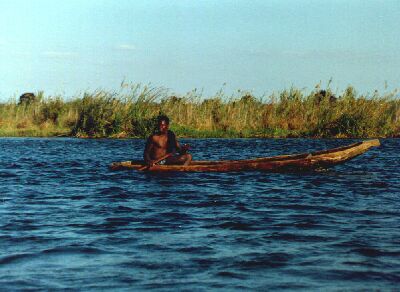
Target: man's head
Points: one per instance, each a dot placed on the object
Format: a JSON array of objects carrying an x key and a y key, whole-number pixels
[{"x": 163, "y": 123}]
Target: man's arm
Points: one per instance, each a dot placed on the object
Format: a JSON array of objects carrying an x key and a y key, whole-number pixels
[
  {"x": 181, "y": 149},
  {"x": 177, "y": 145},
  {"x": 147, "y": 150}
]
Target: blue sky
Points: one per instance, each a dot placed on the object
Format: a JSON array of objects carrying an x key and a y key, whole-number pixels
[{"x": 260, "y": 46}]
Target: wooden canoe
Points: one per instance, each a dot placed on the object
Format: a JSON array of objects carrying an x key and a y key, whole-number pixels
[{"x": 283, "y": 163}]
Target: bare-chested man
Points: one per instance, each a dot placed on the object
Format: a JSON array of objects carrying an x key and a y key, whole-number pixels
[{"x": 164, "y": 142}]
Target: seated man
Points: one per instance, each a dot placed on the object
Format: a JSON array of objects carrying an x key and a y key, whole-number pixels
[{"x": 163, "y": 143}]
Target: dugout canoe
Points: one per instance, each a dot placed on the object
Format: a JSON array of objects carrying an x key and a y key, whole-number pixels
[{"x": 283, "y": 163}]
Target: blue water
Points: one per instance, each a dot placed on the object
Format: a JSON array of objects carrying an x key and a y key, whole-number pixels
[{"x": 66, "y": 221}]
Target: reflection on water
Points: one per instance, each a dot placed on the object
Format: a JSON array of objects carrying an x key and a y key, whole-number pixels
[{"x": 69, "y": 222}]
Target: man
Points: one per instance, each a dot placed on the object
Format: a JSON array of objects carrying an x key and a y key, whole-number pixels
[{"x": 163, "y": 143}]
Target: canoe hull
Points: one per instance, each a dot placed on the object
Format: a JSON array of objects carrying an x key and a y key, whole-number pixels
[{"x": 284, "y": 163}]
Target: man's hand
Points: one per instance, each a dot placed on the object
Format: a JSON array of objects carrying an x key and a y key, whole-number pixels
[{"x": 184, "y": 148}]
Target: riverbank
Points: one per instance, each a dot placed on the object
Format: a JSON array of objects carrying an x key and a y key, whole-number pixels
[{"x": 132, "y": 112}]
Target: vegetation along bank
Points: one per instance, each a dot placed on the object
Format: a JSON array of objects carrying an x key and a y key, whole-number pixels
[{"x": 131, "y": 112}]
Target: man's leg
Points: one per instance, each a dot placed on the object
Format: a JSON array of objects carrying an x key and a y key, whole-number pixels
[{"x": 184, "y": 159}]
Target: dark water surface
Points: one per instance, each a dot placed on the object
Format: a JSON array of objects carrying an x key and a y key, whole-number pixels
[{"x": 66, "y": 221}]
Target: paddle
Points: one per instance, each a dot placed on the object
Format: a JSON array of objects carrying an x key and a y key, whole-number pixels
[{"x": 155, "y": 162}]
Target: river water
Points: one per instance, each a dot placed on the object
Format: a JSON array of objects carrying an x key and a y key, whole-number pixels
[{"x": 67, "y": 221}]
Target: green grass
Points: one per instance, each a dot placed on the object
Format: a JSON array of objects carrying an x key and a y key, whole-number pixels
[{"x": 132, "y": 112}]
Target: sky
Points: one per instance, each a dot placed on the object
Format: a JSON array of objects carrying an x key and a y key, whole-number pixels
[{"x": 72, "y": 46}]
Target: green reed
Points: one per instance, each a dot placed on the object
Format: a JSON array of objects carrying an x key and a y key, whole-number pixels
[{"x": 132, "y": 112}]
